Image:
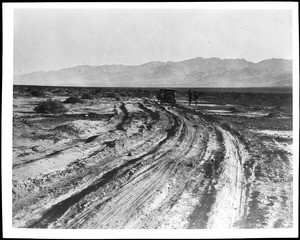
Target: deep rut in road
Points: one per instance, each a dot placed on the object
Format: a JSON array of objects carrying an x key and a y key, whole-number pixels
[{"x": 172, "y": 168}]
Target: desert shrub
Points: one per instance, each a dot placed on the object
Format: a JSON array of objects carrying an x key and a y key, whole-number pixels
[
  {"x": 233, "y": 109},
  {"x": 99, "y": 90},
  {"x": 37, "y": 93},
  {"x": 250, "y": 95},
  {"x": 50, "y": 106},
  {"x": 57, "y": 91},
  {"x": 146, "y": 93},
  {"x": 123, "y": 94},
  {"x": 274, "y": 114},
  {"x": 60, "y": 91},
  {"x": 256, "y": 108},
  {"x": 235, "y": 96},
  {"x": 142, "y": 93},
  {"x": 86, "y": 96},
  {"x": 110, "y": 95},
  {"x": 73, "y": 99}
]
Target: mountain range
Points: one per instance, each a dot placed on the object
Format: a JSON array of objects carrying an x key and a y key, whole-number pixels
[{"x": 196, "y": 72}]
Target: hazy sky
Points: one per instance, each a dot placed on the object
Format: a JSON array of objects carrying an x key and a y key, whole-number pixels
[{"x": 52, "y": 39}]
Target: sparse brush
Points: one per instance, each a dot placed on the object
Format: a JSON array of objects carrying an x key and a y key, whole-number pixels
[
  {"x": 87, "y": 96},
  {"x": 257, "y": 108},
  {"x": 73, "y": 99},
  {"x": 110, "y": 94},
  {"x": 233, "y": 109},
  {"x": 58, "y": 91},
  {"x": 123, "y": 94},
  {"x": 37, "y": 93},
  {"x": 274, "y": 114},
  {"x": 50, "y": 106}
]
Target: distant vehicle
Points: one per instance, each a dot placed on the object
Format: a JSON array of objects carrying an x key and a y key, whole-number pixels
[{"x": 167, "y": 96}]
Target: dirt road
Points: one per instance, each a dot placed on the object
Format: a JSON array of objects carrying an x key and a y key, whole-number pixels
[{"x": 129, "y": 165}]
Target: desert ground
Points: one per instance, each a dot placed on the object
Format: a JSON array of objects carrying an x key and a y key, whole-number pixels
[{"x": 120, "y": 160}]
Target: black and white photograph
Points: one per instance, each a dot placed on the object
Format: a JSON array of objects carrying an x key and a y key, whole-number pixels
[{"x": 150, "y": 120}]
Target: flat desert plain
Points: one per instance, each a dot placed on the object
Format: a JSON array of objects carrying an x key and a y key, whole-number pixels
[{"x": 119, "y": 159}]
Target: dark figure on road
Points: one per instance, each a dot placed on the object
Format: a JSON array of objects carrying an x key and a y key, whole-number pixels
[
  {"x": 196, "y": 97},
  {"x": 160, "y": 96},
  {"x": 190, "y": 97}
]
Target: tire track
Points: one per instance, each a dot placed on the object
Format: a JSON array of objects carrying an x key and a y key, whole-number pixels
[
  {"x": 144, "y": 145},
  {"x": 211, "y": 169},
  {"x": 230, "y": 200},
  {"x": 128, "y": 202},
  {"x": 212, "y": 160},
  {"x": 57, "y": 210}
]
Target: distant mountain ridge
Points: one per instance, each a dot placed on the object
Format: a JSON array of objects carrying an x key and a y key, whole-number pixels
[{"x": 196, "y": 72}]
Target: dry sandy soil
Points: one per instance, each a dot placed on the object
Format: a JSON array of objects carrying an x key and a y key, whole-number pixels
[{"x": 133, "y": 163}]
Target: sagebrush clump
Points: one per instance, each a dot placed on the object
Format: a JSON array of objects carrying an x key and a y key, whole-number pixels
[
  {"x": 110, "y": 94},
  {"x": 36, "y": 93},
  {"x": 50, "y": 106},
  {"x": 87, "y": 96},
  {"x": 73, "y": 99},
  {"x": 113, "y": 94},
  {"x": 234, "y": 109}
]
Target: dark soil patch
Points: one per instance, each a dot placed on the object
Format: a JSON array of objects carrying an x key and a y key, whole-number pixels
[{"x": 90, "y": 139}]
